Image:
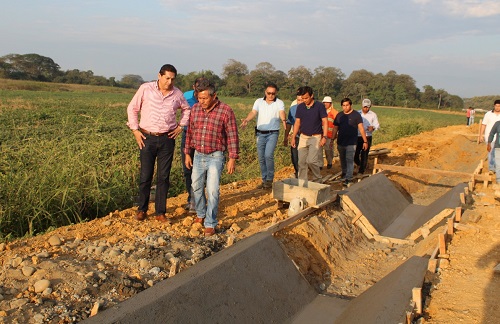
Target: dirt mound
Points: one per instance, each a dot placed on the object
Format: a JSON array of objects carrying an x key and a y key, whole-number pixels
[{"x": 97, "y": 264}]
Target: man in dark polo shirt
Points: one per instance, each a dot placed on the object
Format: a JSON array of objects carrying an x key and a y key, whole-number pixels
[
  {"x": 346, "y": 125},
  {"x": 312, "y": 124}
]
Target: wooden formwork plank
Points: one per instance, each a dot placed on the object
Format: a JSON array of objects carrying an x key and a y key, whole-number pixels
[
  {"x": 430, "y": 224},
  {"x": 417, "y": 298},
  {"x": 450, "y": 226},
  {"x": 442, "y": 243},
  {"x": 458, "y": 214},
  {"x": 387, "y": 239},
  {"x": 406, "y": 169}
]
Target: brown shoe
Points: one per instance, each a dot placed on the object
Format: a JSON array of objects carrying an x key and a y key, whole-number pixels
[
  {"x": 199, "y": 220},
  {"x": 141, "y": 215},
  {"x": 209, "y": 231},
  {"x": 162, "y": 218}
]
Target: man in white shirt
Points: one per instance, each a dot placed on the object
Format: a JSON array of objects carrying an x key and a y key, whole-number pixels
[
  {"x": 370, "y": 124},
  {"x": 489, "y": 119}
]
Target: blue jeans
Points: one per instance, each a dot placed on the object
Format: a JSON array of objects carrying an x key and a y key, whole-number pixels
[
  {"x": 346, "y": 156},
  {"x": 497, "y": 162},
  {"x": 266, "y": 144},
  {"x": 158, "y": 149},
  {"x": 186, "y": 172},
  {"x": 361, "y": 156},
  {"x": 491, "y": 158},
  {"x": 207, "y": 170}
]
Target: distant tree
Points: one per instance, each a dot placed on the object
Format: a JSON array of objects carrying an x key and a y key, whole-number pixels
[
  {"x": 357, "y": 85},
  {"x": 429, "y": 98},
  {"x": 131, "y": 81},
  {"x": 299, "y": 76},
  {"x": 233, "y": 74},
  {"x": 263, "y": 73},
  {"x": 29, "y": 67},
  {"x": 327, "y": 81}
]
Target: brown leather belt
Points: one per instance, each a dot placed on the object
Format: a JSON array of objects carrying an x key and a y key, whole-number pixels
[{"x": 152, "y": 133}]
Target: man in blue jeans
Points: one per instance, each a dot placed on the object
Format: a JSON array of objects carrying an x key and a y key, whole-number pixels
[
  {"x": 346, "y": 125},
  {"x": 212, "y": 131},
  {"x": 270, "y": 112}
]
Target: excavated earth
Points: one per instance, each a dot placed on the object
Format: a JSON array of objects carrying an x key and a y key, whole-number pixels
[{"x": 67, "y": 274}]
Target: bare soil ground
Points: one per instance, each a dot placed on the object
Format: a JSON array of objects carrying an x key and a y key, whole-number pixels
[{"x": 64, "y": 275}]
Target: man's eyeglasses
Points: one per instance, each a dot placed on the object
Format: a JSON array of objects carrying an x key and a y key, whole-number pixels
[{"x": 271, "y": 93}]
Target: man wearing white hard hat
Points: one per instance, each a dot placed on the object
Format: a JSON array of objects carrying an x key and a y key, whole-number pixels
[
  {"x": 332, "y": 112},
  {"x": 370, "y": 125}
]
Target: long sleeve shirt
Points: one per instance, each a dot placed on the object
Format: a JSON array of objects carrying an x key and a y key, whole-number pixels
[
  {"x": 214, "y": 130},
  {"x": 369, "y": 119},
  {"x": 157, "y": 111},
  {"x": 495, "y": 133}
]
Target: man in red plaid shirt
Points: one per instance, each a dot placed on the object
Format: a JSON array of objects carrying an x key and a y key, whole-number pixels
[{"x": 212, "y": 130}]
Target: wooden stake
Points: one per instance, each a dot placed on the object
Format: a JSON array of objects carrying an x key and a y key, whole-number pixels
[
  {"x": 458, "y": 214},
  {"x": 417, "y": 298},
  {"x": 442, "y": 243},
  {"x": 432, "y": 265},
  {"x": 450, "y": 226},
  {"x": 462, "y": 198}
]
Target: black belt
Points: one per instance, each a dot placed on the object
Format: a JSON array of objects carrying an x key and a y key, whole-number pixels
[{"x": 268, "y": 131}]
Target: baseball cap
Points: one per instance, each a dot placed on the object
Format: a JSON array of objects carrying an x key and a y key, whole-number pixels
[
  {"x": 327, "y": 99},
  {"x": 366, "y": 103}
]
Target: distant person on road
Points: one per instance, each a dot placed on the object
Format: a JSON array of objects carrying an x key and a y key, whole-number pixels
[
  {"x": 328, "y": 147},
  {"x": 489, "y": 119},
  {"x": 212, "y": 131},
  {"x": 494, "y": 137},
  {"x": 191, "y": 98},
  {"x": 370, "y": 124},
  {"x": 270, "y": 112},
  {"x": 346, "y": 126},
  {"x": 467, "y": 113},
  {"x": 157, "y": 102},
  {"x": 287, "y": 138},
  {"x": 472, "y": 114},
  {"x": 312, "y": 124}
]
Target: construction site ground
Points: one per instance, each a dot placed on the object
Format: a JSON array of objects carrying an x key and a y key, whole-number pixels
[{"x": 92, "y": 266}]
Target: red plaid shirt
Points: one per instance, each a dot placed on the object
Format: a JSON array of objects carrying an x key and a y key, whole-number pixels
[{"x": 212, "y": 131}]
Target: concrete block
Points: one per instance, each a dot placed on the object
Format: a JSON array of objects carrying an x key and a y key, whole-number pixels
[{"x": 288, "y": 189}]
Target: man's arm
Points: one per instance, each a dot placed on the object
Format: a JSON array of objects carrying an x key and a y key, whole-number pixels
[
  {"x": 249, "y": 117},
  {"x": 363, "y": 135},
  {"x": 481, "y": 133},
  {"x": 296, "y": 128}
]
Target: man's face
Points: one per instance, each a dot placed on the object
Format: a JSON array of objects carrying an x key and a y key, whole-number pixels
[
  {"x": 497, "y": 108},
  {"x": 365, "y": 109},
  {"x": 205, "y": 99},
  {"x": 270, "y": 93},
  {"x": 166, "y": 81},
  {"x": 307, "y": 99},
  {"x": 327, "y": 105},
  {"x": 346, "y": 107},
  {"x": 299, "y": 100}
]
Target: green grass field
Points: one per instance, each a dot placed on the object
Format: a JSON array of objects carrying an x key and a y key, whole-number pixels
[{"x": 67, "y": 155}]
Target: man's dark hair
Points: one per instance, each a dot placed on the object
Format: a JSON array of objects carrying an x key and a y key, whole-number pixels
[
  {"x": 205, "y": 84},
  {"x": 168, "y": 68},
  {"x": 497, "y": 102},
  {"x": 303, "y": 90},
  {"x": 271, "y": 85},
  {"x": 346, "y": 100}
]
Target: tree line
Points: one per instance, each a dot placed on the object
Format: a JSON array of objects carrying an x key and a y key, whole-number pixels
[{"x": 236, "y": 80}]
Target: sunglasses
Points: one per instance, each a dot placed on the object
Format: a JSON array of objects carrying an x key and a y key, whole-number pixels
[{"x": 271, "y": 93}]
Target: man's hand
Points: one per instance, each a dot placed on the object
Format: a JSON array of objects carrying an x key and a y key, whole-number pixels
[
  {"x": 175, "y": 132},
  {"x": 188, "y": 162},
  {"x": 231, "y": 166},
  {"x": 488, "y": 147},
  {"x": 139, "y": 138}
]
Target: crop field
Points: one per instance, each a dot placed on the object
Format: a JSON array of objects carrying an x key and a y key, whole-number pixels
[{"x": 67, "y": 155}]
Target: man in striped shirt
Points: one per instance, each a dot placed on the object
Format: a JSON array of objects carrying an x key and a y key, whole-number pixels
[
  {"x": 157, "y": 103},
  {"x": 212, "y": 131}
]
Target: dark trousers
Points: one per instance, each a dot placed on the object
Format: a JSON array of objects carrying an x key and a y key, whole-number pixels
[
  {"x": 295, "y": 156},
  {"x": 159, "y": 149},
  {"x": 185, "y": 171},
  {"x": 361, "y": 156}
]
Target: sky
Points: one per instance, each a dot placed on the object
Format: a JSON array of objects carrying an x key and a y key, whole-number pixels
[{"x": 449, "y": 44}]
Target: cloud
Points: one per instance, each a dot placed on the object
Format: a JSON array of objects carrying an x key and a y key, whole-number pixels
[{"x": 464, "y": 8}]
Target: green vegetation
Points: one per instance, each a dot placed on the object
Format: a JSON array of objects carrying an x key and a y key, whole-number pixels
[{"x": 67, "y": 155}]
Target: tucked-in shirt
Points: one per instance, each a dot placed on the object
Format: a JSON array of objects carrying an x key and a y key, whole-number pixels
[
  {"x": 348, "y": 127},
  {"x": 212, "y": 131},
  {"x": 495, "y": 133},
  {"x": 369, "y": 119},
  {"x": 311, "y": 118},
  {"x": 268, "y": 114},
  {"x": 158, "y": 112}
]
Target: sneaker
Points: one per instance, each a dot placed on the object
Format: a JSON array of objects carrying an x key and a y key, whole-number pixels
[
  {"x": 209, "y": 231},
  {"x": 267, "y": 184}
]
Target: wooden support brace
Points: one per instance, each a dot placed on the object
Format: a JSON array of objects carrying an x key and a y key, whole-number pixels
[
  {"x": 458, "y": 214},
  {"x": 432, "y": 265},
  {"x": 462, "y": 198},
  {"x": 417, "y": 298}
]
